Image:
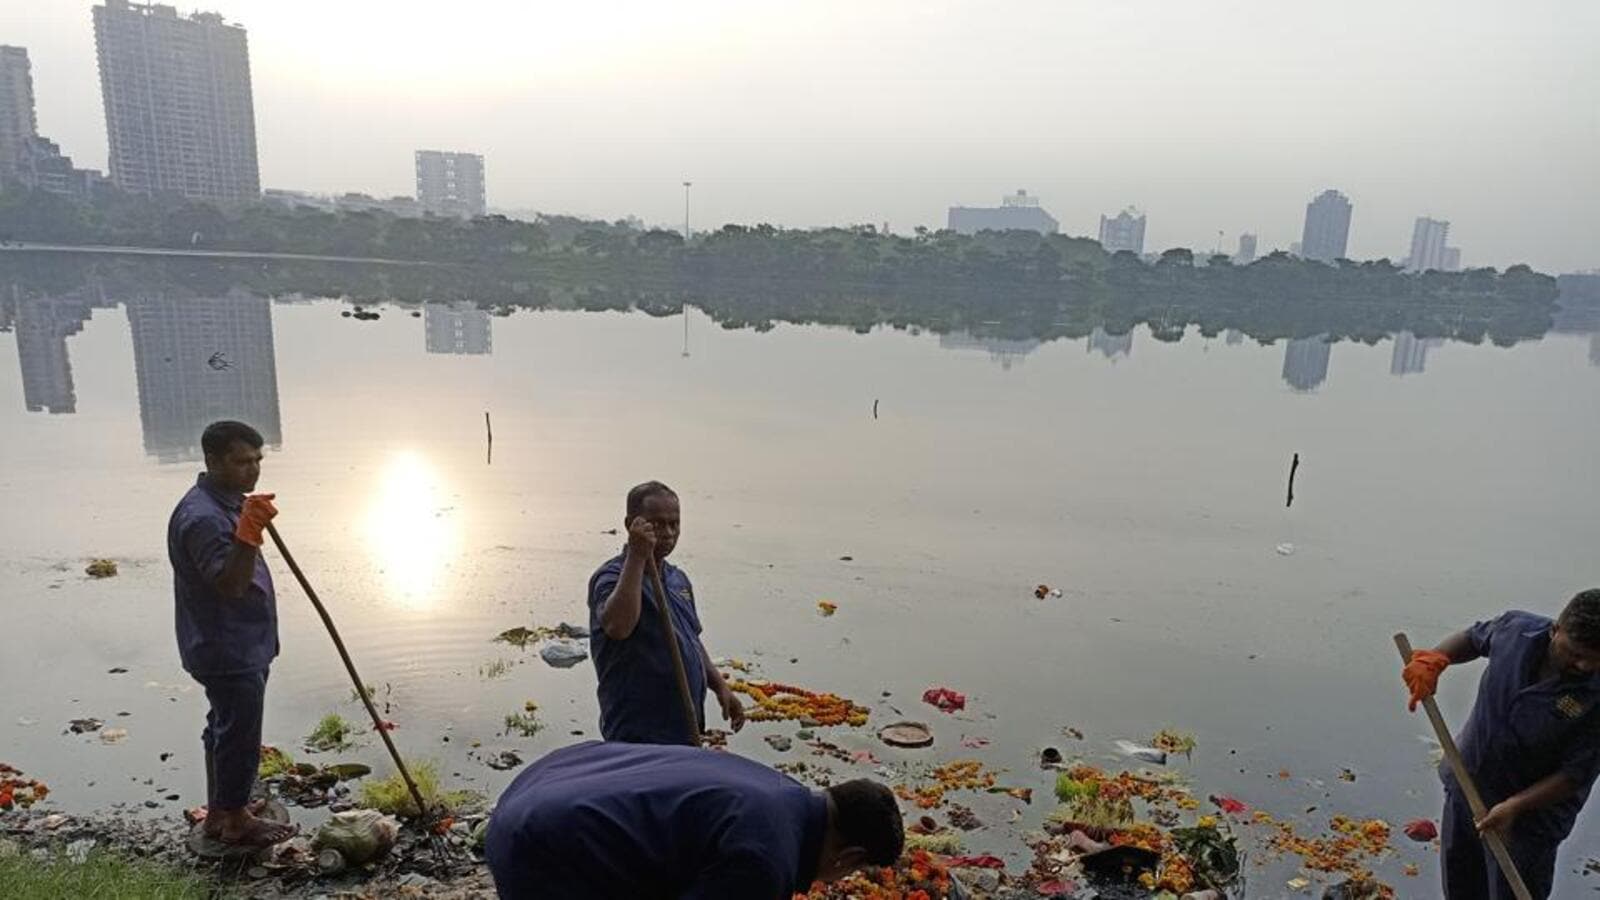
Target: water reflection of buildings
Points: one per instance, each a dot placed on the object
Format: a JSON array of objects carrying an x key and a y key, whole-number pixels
[
  {"x": 1111, "y": 345},
  {"x": 202, "y": 359},
  {"x": 1411, "y": 353},
  {"x": 43, "y": 325},
  {"x": 1305, "y": 362},
  {"x": 1594, "y": 349},
  {"x": 1006, "y": 352},
  {"x": 458, "y": 327},
  {"x": 1233, "y": 337}
]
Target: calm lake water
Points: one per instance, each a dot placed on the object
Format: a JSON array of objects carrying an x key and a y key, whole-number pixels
[{"x": 1439, "y": 483}]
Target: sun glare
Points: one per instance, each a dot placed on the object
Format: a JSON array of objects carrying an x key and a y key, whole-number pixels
[{"x": 411, "y": 531}]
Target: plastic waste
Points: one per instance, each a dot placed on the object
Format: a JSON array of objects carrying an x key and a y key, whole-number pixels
[
  {"x": 1146, "y": 754},
  {"x": 360, "y": 835},
  {"x": 563, "y": 654}
]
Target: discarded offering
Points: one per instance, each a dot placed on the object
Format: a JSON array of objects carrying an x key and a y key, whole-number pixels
[
  {"x": 16, "y": 791},
  {"x": 906, "y": 734},
  {"x": 1173, "y": 741},
  {"x": 826, "y": 608},
  {"x": 776, "y": 702},
  {"x": 84, "y": 726},
  {"x": 101, "y": 568},
  {"x": 1421, "y": 830},
  {"x": 944, "y": 698}
]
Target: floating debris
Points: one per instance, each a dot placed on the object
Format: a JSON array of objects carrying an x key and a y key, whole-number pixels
[
  {"x": 776, "y": 702},
  {"x": 563, "y": 654},
  {"x": 826, "y": 608},
  {"x": 945, "y": 699},
  {"x": 84, "y": 726},
  {"x": 101, "y": 568},
  {"x": 906, "y": 734},
  {"x": 332, "y": 733}
]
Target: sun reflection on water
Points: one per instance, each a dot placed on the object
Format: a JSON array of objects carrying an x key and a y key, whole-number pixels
[{"x": 412, "y": 532}]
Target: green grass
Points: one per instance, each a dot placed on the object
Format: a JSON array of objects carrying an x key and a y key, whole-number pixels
[
  {"x": 523, "y": 723},
  {"x": 390, "y": 795},
  {"x": 332, "y": 733},
  {"x": 103, "y": 876},
  {"x": 274, "y": 761}
]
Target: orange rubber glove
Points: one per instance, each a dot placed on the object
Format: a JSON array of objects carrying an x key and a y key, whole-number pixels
[
  {"x": 1422, "y": 674},
  {"x": 253, "y": 518}
]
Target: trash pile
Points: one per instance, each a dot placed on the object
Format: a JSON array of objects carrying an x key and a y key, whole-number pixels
[
  {"x": 16, "y": 791},
  {"x": 784, "y": 702}
]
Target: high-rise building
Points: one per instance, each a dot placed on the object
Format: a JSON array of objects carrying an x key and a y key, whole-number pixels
[
  {"x": 457, "y": 328},
  {"x": 1327, "y": 230},
  {"x": 1247, "y": 250},
  {"x": 200, "y": 359},
  {"x": 1305, "y": 362},
  {"x": 1125, "y": 231},
  {"x": 1430, "y": 249},
  {"x": 1411, "y": 353},
  {"x": 179, "y": 113},
  {"x": 17, "y": 118},
  {"x": 451, "y": 184},
  {"x": 1017, "y": 212},
  {"x": 43, "y": 325}
]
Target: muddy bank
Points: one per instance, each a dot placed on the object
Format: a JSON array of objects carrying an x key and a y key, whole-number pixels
[{"x": 411, "y": 869}]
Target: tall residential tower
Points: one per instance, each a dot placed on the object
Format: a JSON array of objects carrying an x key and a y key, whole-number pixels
[
  {"x": 451, "y": 184},
  {"x": 1327, "y": 231},
  {"x": 179, "y": 114}
]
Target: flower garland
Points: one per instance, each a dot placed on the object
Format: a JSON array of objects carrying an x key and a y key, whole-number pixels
[{"x": 778, "y": 702}]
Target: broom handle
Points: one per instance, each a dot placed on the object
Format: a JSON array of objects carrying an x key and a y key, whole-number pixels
[
  {"x": 682, "y": 674},
  {"x": 349, "y": 666},
  {"x": 1458, "y": 766}
]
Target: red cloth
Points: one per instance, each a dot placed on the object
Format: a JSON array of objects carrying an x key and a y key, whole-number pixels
[
  {"x": 1421, "y": 830},
  {"x": 944, "y": 698}
]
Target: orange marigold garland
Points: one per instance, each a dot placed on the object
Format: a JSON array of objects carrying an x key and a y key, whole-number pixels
[{"x": 778, "y": 702}]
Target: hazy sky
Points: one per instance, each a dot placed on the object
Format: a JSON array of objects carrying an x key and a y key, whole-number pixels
[{"x": 1210, "y": 116}]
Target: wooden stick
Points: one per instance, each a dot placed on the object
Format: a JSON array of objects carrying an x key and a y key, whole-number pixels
[
  {"x": 350, "y": 666},
  {"x": 1458, "y": 766},
  {"x": 677, "y": 654}
]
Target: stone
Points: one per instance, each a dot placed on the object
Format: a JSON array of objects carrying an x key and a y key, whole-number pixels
[
  {"x": 779, "y": 743},
  {"x": 78, "y": 851}
]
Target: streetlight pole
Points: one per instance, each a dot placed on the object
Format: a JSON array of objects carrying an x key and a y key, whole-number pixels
[{"x": 686, "y": 186}]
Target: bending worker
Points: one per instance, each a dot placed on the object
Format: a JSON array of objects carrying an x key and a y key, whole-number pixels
[
  {"x": 639, "y": 821},
  {"x": 1532, "y": 742}
]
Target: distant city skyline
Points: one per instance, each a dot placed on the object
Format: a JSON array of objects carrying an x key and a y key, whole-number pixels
[
  {"x": 451, "y": 183},
  {"x": 757, "y": 112},
  {"x": 1019, "y": 211},
  {"x": 1124, "y": 231},
  {"x": 1430, "y": 247}
]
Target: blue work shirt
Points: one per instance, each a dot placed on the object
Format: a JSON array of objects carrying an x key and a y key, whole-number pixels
[
  {"x": 217, "y": 635},
  {"x": 602, "y": 820},
  {"x": 638, "y": 690},
  {"x": 1523, "y": 730}
]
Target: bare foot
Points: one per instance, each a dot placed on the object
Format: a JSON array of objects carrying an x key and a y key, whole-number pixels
[{"x": 239, "y": 826}]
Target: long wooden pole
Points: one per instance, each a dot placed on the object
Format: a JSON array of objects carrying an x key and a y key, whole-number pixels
[
  {"x": 1458, "y": 766},
  {"x": 350, "y": 666},
  {"x": 690, "y": 718}
]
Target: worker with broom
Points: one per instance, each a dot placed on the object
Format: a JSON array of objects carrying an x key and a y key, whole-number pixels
[
  {"x": 653, "y": 670},
  {"x": 227, "y": 624},
  {"x": 1532, "y": 742},
  {"x": 596, "y": 821}
]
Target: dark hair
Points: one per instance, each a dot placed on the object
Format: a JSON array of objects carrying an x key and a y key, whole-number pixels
[
  {"x": 219, "y": 437},
  {"x": 869, "y": 818},
  {"x": 1581, "y": 619},
  {"x": 642, "y": 492}
]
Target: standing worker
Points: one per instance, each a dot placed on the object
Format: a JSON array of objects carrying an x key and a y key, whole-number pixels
[
  {"x": 1532, "y": 743},
  {"x": 638, "y": 689},
  {"x": 227, "y": 623},
  {"x": 617, "y": 821}
]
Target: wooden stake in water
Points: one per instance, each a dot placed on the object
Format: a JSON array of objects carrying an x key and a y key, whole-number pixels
[{"x": 1458, "y": 766}]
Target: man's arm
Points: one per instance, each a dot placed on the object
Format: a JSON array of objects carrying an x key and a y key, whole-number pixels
[
  {"x": 732, "y": 707},
  {"x": 1459, "y": 648},
  {"x": 1551, "y": 789},
  {"x": 238, "y": 569},
  {"x": 619, "y": 614}
]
